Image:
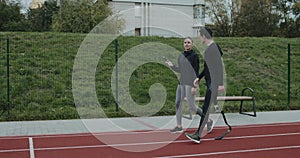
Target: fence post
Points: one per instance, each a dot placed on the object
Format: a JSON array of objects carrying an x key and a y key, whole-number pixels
[
  {"x": 7, "y": 75},
  {"x": 116, "y": 60},
  {"x": 289, "y": 75}
]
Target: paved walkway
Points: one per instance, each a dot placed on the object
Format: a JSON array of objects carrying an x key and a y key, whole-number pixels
[{"x": 30, "y": 128}]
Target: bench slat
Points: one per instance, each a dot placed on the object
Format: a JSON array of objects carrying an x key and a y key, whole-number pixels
[{"x": 227, "y": 98}]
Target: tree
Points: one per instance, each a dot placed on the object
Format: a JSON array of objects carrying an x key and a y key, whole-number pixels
[
  {"x": 296, "y": 11},
  {"x": 224, "y": 16},
  {"x": 11, "y": 18},
  {"x": 257, "y": 18},
  {"x": 80, "y": 16},
  {"x": 41, "y": 18},
  {"x": 289, "y": 13}
]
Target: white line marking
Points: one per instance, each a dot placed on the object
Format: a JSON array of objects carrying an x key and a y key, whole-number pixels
[
  {"x": 13, "y": 150},
  {"x": 149, "y": 143},
  {"x": 133, "y": 144},
  {"x": 31, "y": 148},
  {"x": 162, "y": 142},
  {"x": 263, "y": 135},
  {"x": 232, "y": 152}
]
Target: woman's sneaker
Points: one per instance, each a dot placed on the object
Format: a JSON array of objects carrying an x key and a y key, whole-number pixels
[{"x": 176, "y": 130}]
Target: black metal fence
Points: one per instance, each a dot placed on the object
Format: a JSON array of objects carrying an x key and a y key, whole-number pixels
[
  {"x": 36, "y": 75},
  {"x": 34, "y": 70}
]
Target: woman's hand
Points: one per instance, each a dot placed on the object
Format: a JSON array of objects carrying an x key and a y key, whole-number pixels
[{"x": 169, "y": 63}]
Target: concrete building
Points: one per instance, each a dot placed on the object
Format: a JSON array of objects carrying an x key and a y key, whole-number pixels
[{"x": 169, "y": 18}]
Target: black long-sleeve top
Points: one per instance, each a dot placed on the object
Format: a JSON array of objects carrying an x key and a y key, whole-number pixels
[
  {"x": 213, "y": 67},
  {"x": 188, "y": 67}
]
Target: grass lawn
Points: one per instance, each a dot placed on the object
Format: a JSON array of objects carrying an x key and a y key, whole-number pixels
[{"x": 41, "y": 67}]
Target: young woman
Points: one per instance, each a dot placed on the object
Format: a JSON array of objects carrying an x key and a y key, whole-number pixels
[{"x": 188, "y": 67}]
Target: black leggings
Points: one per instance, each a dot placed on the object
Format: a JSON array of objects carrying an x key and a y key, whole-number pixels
[{"x": 210, "y": 96}]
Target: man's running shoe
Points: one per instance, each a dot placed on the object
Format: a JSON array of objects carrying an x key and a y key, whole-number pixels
[
  {"x": 176, "y": 130},
  {"x": 210, "y": 125},
  {"x": 194, "y": 137}
]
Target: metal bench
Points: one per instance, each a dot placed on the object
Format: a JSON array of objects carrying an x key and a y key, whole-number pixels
[{"x": 241, "y": 98}]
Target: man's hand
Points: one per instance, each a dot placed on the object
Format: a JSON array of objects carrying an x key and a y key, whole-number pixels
[
  {"x": 194, "y": 90},
  {"x": 196, "y": 82},
  {"x": 221, "y": 89}
]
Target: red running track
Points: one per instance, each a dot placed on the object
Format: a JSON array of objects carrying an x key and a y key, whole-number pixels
[{"x": 268, "y": 141}]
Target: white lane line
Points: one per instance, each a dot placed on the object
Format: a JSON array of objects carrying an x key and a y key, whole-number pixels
[
  {"x": 153, "y": 143},
  {"x": 262, "y": 136},
  {"x": 232, "y": 152},
  {"x": 31, "y": 148},
  {"x": 13, "y": 150}
]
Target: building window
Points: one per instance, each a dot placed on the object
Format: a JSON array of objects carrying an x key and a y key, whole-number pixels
[{"x": 199, "y": 11}]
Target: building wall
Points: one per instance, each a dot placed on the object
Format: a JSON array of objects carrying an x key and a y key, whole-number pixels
[
  {"x": 169, "y": 18},
  {"x": 168, "y": 2},
  {"x": 36, "y": 4},
  {"x": 127, "y": 12}
]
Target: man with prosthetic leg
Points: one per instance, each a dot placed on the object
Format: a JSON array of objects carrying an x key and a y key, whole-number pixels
[{"x": 213, "y": 74}]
